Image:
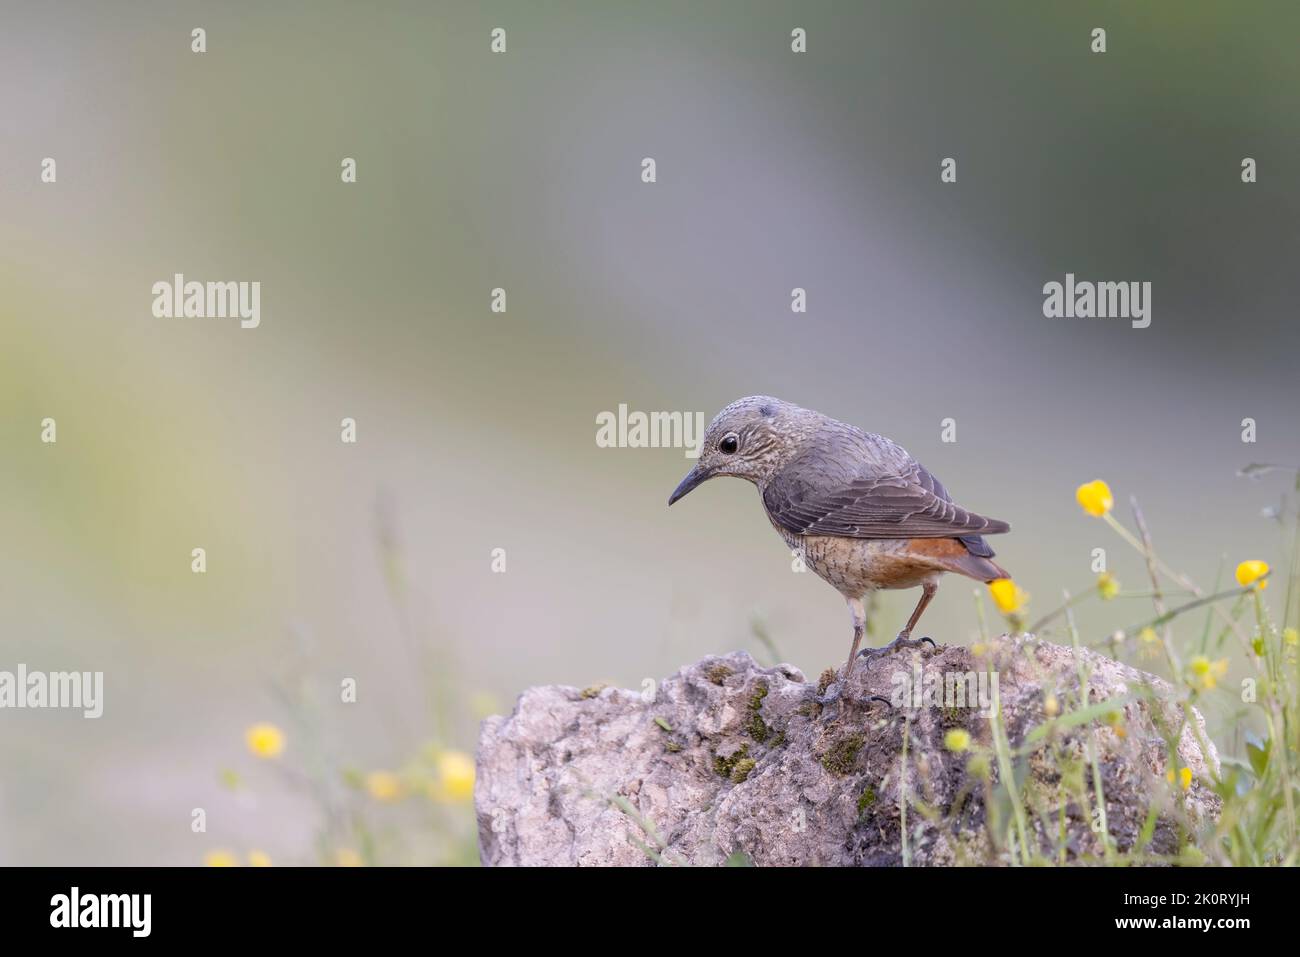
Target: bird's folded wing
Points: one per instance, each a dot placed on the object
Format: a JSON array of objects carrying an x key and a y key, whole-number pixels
[{"x": 910, "y": 505}]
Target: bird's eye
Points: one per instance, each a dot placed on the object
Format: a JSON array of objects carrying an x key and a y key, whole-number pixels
[{"x": 729, "y": 444}]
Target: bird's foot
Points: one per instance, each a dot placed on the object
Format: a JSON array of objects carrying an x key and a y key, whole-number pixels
[
  {"x": 833, "y": 696},
  {"x": 830, "y": 696},
  {"x": 902, "y": 641},
  {"x": 834, "y": 693}
]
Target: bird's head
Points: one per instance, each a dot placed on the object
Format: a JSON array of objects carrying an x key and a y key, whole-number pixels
[{"x": 750, "y": 439}]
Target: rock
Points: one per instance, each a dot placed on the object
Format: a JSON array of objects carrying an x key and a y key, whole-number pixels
[{"x": 727, "y": 756}]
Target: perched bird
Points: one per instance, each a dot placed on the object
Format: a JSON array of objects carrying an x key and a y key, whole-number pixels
[{"x": 858, "y": 510}]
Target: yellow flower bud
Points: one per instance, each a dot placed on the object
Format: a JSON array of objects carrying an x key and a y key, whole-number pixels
[
  {"x": 1249, "y": 572},
  {"x": 1206, "y": 673},
  {"x": 455, "y": 781},
  {"x": 958, "y": 739},
  {"x": 1095, "y": 497},
  {"x": 384, "y": 786},
  {"x": 265, "y": 740},
  {"x": 220, "y": 859},
  {"x": 1007, "y": 595}
]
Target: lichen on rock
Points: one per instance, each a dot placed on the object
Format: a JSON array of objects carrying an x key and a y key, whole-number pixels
[{"x": 754, "y": 765}]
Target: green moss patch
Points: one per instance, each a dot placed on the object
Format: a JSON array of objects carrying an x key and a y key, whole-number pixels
[
  {"x": 841, "y": 755},
  {"x": 724, "y": 767}
]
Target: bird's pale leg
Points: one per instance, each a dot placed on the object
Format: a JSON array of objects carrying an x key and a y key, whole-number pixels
[{"x": 859, "y": 616}]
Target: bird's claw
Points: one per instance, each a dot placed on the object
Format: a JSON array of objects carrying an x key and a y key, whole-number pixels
[
  {"x": 902, "y": 641},
  {"x": 831, "y": 695}
]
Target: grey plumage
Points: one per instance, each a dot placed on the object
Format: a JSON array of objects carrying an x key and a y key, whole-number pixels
[{"x": 878, "y": 492}]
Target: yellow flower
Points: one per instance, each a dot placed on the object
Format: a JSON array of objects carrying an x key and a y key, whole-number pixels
[
  {"x": 1184, "y": 778},
  {"x": 1148, "y": 635},
  {"x": 384, "y": 786},
  {"x": 1291, "y": 636},
  {"x": 220, "y": 859},
  {"x": 979, "y": 649},
  {"x": 1095, "y": 497},
  {"x": 259, "y": 859},
  {"x": 1206, "y": 673},
  {"x": 455, "y": 777},
  {"x": 1252, "y": 571},
  {"x": 957, "y": 740},
  {"x": 1107, "y": 586},
  {"x": 346, "y": 857},
  {"x": 265, "y": 740},
  {"x": 1051, "y": 707},
  {"x": 1007, "y": 595}
]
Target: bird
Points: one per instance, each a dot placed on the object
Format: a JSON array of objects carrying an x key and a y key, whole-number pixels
[{"x": 855, "y": 507}]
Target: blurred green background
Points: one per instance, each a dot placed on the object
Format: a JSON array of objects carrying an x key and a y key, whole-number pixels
[{"x": 476, "y": 430}]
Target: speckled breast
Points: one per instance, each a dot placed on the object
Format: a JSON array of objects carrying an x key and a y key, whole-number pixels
[{"x": 855, "y": 566}]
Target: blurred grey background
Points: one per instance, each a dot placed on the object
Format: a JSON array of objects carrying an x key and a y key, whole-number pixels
[{"x": 476, "y": 430}]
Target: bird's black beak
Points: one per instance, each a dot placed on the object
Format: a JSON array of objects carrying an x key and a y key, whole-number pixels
[{"x": 693, "y": 478}]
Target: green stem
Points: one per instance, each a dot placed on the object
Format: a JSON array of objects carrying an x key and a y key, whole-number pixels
[
  {"x": 1057, "y": 613},
  {"x": 1003, "y": 749},
  {"x": 1175, "y": 612},
  {"x": 1098, "y": 787},
  {"x": 902, "y": 793}
]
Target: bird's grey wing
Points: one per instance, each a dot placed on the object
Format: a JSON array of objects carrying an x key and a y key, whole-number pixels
[
  {"x": 867, "y": 487},
  {"x": 975, "y": 544}
]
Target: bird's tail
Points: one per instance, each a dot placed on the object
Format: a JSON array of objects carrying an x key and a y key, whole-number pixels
[
  {"x": 978, "y": 568},
  {"x": 994, "y": 570},
  {"x": 959, "y": 555},
  {"x": 978, "y": 562}
]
